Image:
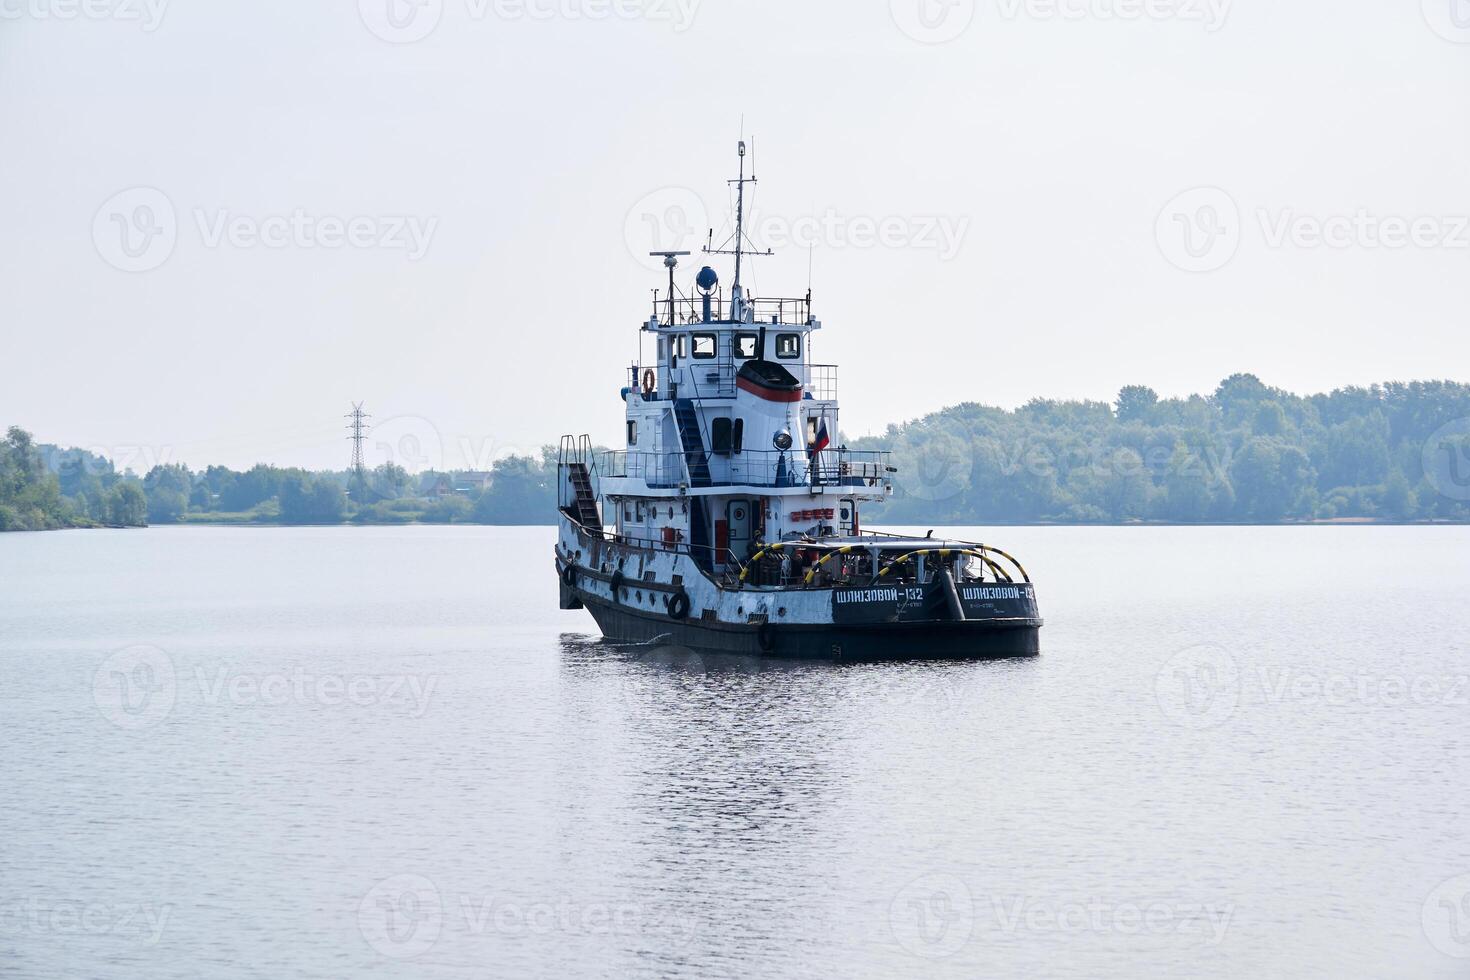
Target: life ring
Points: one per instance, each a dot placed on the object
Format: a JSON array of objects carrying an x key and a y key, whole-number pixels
[
  {"x": 650, "y": 381},
  {"x": 569, "y": 576},
  {"x": 679, "y": 605},
  {"x": 766, "y": 637},
  {"x": 617, "y": 584}
]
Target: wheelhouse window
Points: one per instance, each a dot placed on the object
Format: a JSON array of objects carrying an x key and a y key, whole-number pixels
[
  {"x": 747, "y": 346},
  {"x": 632, "y": 432},
  {"x": 720, "y": 440},
  {"x": 680, "y": 345},
  {"x": 788, "y": 346},
  {"x": 705, "y": 346},
  {"x": 737, "y": 436}
]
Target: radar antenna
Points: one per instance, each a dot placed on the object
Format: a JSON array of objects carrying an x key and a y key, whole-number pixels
[
  {"x": 737, "y": 295},
  {"x": 671, "y": 262}
]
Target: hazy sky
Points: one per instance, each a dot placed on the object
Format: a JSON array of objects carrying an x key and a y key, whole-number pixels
[{"x": 221, "y": 223}]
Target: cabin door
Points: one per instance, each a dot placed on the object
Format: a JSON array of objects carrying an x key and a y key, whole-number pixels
[{"x": 740, "y": 517}]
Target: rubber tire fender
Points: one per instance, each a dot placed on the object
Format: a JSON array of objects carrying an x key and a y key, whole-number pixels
[
  {"x": 679, "y": 605},
  {"x": 766, "y": 637},
  {"x": 569, "y": 576},
  {"x": 617, "y": 584}
]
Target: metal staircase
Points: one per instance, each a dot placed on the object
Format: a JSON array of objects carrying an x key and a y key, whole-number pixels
[
  {"x": 584, "y": 502},
  {"x": 695, "y": 458},
  {"x": 577, "y": 497}
]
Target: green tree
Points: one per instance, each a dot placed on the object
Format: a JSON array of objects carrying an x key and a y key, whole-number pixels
[
  {"x": 167, "y": 489},
  {"x": 1124, "y": 490},
  {"x": 453, "y": 509},
  {"x": 1135, "y": 402},
  {"x": 1238, "y": 396},
  {"x": 30, "y": 494},
  {"x": 1399, "y": 500},
  {"x": 127, "y": 506},
  {"x": 1272, "y": 481},
  {"x": 1270, "y": 419},
  {"x": 311, "y": 500},
  {"x": 1188, "y": 487},
  {"x": 522, "y": 491},
  {"x": 255, "y": 486}
]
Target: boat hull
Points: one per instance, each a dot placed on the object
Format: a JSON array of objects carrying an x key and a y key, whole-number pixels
[{"x": 899, "y": 641}]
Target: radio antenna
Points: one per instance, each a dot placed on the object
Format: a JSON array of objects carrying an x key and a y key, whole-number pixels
[{"x": 737, "y": 298}]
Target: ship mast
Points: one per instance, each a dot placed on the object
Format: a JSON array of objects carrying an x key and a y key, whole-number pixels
[{"x": 737, "y": 294}]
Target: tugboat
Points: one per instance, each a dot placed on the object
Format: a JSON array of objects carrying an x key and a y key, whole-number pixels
[{"x": 730, "y": 523}]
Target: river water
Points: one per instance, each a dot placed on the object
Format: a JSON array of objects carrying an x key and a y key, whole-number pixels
[{"x": 329, "y": 752}]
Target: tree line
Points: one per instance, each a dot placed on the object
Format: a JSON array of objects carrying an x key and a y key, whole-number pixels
[
  {"x": 1246, "y": 453},
  {"x": 44, "y": 487}
]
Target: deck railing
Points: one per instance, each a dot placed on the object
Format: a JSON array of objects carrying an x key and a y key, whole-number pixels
[
  {"x": 858, "y": 469},
  {"x": 689, "y": 310}
]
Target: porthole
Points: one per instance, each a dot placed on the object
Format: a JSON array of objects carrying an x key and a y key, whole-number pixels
[
  {"x": 781, "y": 611},
  {"x": 640, "y": 595}
]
